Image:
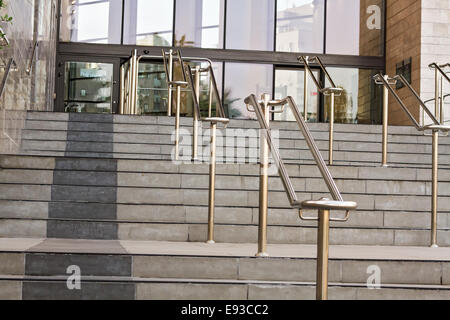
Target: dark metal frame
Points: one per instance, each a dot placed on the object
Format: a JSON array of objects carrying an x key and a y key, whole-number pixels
[{"x": 120, "y": 53}]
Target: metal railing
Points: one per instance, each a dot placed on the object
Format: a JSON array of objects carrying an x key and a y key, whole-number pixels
[
  {"x": 33, "y": 55},
  {"x": 9, "y": 66},
  {"x": 435, "y": 127},
  {"x": 262, "y": 108},
  {"x": 332, "y": 92},
  {"x": 439, "y": 76},
  {"x": 191, "y": 79}
]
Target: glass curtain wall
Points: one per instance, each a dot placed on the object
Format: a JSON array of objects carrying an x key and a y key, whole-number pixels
[{"x": 337, "y": 27}]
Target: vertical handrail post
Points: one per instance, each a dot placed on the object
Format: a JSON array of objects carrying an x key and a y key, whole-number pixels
[
  {"x": 305, "y": 95},
  {"x": 435, "y": 182},
  {"x": 195, "y": 115},
  {"x": 134, "y": 83},
  {"x": 212, "y": 183},
  {"x": 169, "y": 81},
  {"x": 384, "y": 161},
  {"x": 323, "y": 235},
  {"x": 331, "y": 133},
  {"x": 177, "y": 123},
  {"x": 122, "y": 89},
  {"x": 263, "y": 182}
]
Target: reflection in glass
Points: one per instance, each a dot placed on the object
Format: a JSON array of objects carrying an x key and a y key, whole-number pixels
[
  {"x": 241, "y": 80},
  {"x": 152, "y": 89},
  {"x": 148, "y": 22},
  {"x": 199, "y": 23},
  {"x": 300, "y": 26},
  {"x": 250, "y": 24},
  {"x": 354, "y": 27},
  {"x": 290, "y": 83},
  {"x": 153, "y": 96},
  {"x": 360, "y": 101},
  {"x": 91, "y": 21},
  {"x": 88, "y": 87}
]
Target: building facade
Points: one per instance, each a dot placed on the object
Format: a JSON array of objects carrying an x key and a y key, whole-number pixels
[{"x": 254, "y": 45}]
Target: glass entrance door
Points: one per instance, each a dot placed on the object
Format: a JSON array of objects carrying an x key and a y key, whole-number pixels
[
  {"x": 87, "y": 86},
  {"x": 290, "y": 82}
]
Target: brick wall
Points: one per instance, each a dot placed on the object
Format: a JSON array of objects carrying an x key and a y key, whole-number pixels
[{"x": 403, "y": 41}]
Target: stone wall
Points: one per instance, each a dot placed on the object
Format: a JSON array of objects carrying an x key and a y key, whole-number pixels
[
  {"x": 435, "y": 46},
  {"x": 33, "y": 21}
]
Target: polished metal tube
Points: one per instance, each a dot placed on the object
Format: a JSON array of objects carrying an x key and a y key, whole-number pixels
[
  {"x": 322, "y": 255},
  {"x": 331, "y": 139},
  {"x": 195, "y": 115},
  {"x": 134, "y": 82},
  {"x": 170, "y": 79},
  {"x": 384, "y": 162},
  {"x": 442, "y": 97},
  {"x": 436, "y": 93},
  {"x": 212, "y": 182},
  {"x": 435, "y": 181},
  {"x": 210, "y": 97},
  {"x": 177, "y": 124},
  {"x": 122, "y": 89},
  {"x": 305, "y": 96},
  {"x": 263, "y": 182}
]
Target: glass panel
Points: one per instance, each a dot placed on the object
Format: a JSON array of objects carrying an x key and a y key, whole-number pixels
[
  {"x": 153, "y": 95},
  {"x": 152, "y": 89},
  {"x": 88, "y": 87},
  {"x": 199, "y": 23},
  {"x": 355, "y": 27},
  {"x": 300, "y": 25},
  {"x": 250, "y": 24},
  {"x": 148, "y": 22},
  {"x": 91, "y": 21},
  {"x": 361, "y": 100},
  {"x": 290, "y": 83},
  {"x": 241, "y": 80}
]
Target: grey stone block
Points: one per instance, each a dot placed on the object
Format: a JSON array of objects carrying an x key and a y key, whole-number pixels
[
  {"x": 396, "y": 188},
  {"x": 84, "y": 178},
  {"x": 82, "y": 230},
  {"x": 412, "y": 237},
  {"x": 299, "y": 270},
  {"x": 12, "y": 264},
  {"x": 228, "y": 215},
  {"x": 10, "y": 290},
  {"x": 86, "y": 164},
  {"x": 402, "y": 294},
  {"x": 88, "y": 211},
  {"x": 153, "y": 232},
  {"x": 89, "y": 291},
  {"x": 227, "y": 234},
  {"x": 347, "y": 236},
  {"x": 23, "y": 209},
  {"x": 185, "y": 267},
  {"x": 23, "y": 228},
  {"x": 190, "y": 291},
  {"x": 82, "y": 193},
  {"x": 151, "y": 213},
  {"x": 38, "y": 264},
  {"x": 149, "y": 180},
  {"x": 95, "y": 137},
  {"x": 393, "y": 272},
  {"x": 26, "y": 162},
  {"x": 21, "y": 176},
  {"x": 272, "y": 292},
  {"x": 150, "y": 196}
]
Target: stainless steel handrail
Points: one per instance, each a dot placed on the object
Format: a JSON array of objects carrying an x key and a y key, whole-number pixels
[
  {"x": 332, "y": 91},
  {"x": 33, "y": 55},
  {"x": 439, "y": 76},
  {"x": 194, "y": 85},
  {"x": 8, "y": 68},
  {"x": 261, "y": 109},
  {"x": 435, "y": 127}
]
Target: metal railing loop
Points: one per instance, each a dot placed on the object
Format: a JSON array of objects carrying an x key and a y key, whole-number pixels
[{"x": 262, "y": 110}]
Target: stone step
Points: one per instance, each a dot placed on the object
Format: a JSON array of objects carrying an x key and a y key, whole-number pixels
[
  {"x": 38, "y": 269},
  {"x": 196, "y": 232}
]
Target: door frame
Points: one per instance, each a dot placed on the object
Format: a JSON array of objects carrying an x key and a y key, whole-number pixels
[{"x": 60, "y": 78}]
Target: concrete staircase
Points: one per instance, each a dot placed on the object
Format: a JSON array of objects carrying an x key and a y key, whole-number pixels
[{"x": 99, "y": 191}]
